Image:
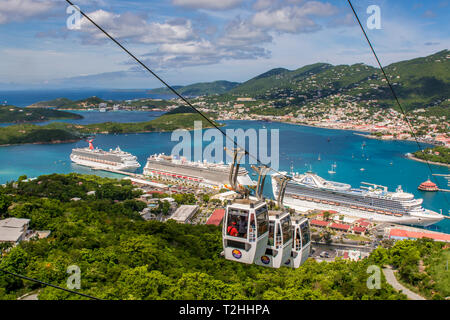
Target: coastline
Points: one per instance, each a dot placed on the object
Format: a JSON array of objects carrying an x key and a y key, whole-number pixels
[
  {"x": 410, "y": 156},
  {"x": 358, "y": 132}
]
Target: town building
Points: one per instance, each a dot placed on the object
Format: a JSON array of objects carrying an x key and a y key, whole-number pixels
[
  {"x": 13, "y": 230},
  {"x": 184, "y": 213}
]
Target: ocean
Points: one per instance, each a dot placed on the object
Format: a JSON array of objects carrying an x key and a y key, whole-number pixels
[{"x": 300, "y": 146}]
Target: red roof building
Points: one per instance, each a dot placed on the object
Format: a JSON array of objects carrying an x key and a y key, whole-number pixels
[
  {"x": 319, "y": 223},
  {"x": 363, "y": 223},
  {"x": 359, "y": 230},
  {"x": 217, "y": 217},
  {"x": 340, "y": 227}
]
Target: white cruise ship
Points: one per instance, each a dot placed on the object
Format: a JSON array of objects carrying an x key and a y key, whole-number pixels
[
  {"x": 373, "y": 202},
  {"x": 99, "y": 159},
  {"x": 203, "y": 173}
]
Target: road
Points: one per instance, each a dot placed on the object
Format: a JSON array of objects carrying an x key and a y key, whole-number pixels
[{"x": 392, "y": 280}]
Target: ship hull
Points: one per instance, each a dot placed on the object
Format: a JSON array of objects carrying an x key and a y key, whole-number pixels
[
  {"x": 102, "y": 166},
  {"x": 422, "y": 221},
  {"x": 415, "y": 219}
]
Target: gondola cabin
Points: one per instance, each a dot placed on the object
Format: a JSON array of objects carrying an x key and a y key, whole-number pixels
[
  {"x": 279, "y": 244},
  {"x": 245, "y": 230},
  {"x": 301, "y": 244}
]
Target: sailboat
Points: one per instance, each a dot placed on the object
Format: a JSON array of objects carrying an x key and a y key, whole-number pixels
[
  {"x": 319, "y": 158},
  {"x": 333, "y": 167}
]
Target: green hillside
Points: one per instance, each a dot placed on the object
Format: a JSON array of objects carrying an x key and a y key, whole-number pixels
[
  {"x": 64, "y": 132},
  {"x": 10, "y": 114},
  {"x": 64, "y": 103},
  {"x": 123, "y": 257},
  {"x": 419, "y": 83},
  {"x": 199, "y": 89}
]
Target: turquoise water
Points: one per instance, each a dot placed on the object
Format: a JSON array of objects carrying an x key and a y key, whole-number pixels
[{"x": 299, "y": 145}]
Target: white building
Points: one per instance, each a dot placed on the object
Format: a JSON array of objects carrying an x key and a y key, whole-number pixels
[
  {"x": 13, "y": 230},
  {"x": 184, "y": 213}
]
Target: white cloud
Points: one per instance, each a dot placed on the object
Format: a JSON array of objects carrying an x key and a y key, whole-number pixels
[
  {"x": 285, "y": 19},
  {"x": 135, "y": 28},
  {"x": 293, "y": 19},
  {"x": 19, "y": 10},
  {"x": 208, "y": 4},
  {"x": 243, "y": 33}
]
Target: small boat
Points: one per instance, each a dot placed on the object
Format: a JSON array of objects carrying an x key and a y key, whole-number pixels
[
  {"x": 333, "y": 167},
  {"x": 362, "y": 169}
]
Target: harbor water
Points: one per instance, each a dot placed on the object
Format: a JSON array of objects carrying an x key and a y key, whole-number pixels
[{"x": 384, "y": 162}]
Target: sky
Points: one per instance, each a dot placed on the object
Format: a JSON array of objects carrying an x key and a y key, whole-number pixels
[{"x": 189, "y": 41}]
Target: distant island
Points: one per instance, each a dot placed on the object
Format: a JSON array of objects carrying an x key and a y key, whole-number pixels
[
  {"x": 97, "y": 103},
  {"x": 66, "y": 132},
  {"x": 12, "y": 114}
]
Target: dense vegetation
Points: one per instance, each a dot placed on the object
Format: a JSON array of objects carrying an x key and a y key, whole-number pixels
[
  {"x": 123, "y": 257},
  {"x": 436, "y": 154},
  {"x": 419, "y": 83},
  {"x": 63, "y": 132},
  {"x": 64, "y": 103},
  {"x": 28, "y": 133},
  {"x": 422, "y": 266},
  {"x": 10, "y": 114}
]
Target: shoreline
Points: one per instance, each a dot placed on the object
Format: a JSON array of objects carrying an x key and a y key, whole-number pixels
[{"x": 412, "y": 157}]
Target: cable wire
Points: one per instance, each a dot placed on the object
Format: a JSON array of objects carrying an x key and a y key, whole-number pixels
[
  {"x": 393, "y": 92},
  {"x": 48, "y": 284},
  {"x": 167, "y": 85}
]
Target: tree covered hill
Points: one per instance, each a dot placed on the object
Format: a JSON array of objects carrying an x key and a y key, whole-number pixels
[
  {"x": 122, "y": 256},
  {"x": 59, "y": 132},
  {"x": 9, "y": 114},
  {"x": 199, "y": 89},
  {"x": 421, "y": 82},
  {"x": 65, "y": 103}
]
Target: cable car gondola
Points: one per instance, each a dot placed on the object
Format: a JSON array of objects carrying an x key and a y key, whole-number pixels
[
  {"x": 279, "y": 245},
  {"x": 301, "y": 244},
  {"x": 245, "y": 230}
]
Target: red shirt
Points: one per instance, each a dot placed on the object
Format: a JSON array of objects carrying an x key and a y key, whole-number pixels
[{"x": 232, "y": 231}]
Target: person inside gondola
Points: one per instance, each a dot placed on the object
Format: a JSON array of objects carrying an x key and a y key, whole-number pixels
[
  {"x": 232, "y": 231},
  {"x": 242, "y": 227}
]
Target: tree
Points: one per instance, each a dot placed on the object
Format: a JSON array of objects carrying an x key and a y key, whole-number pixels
[{"x": 5, "y": 202}]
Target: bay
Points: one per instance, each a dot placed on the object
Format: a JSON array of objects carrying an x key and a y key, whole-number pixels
[{"x": 384, "y": 161}]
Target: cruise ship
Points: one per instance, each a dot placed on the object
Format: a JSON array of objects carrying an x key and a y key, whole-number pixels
[
  {"x": 99, "y": 159},
  {"x": 373, "y": 202},
  {"x": 204, "y": 173}
]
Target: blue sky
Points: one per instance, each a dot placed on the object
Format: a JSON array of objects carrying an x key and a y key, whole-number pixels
[{"x": 189, "y": 41}]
